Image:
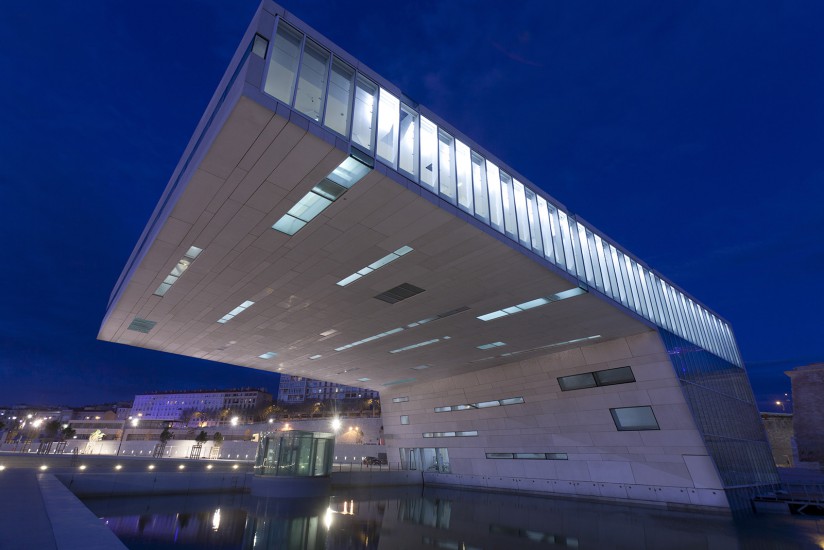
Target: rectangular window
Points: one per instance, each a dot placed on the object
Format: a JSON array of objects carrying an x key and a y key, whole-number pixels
[
  {"x": 468, "y": 433},
  {"x": 429, "y": 155},
  {"x": 634, "y": 418},
  {"x": 259, "y": 46},
  {"x": 463, "y": 164},
  {"x": 408, "y": 161},
  {"x": 546, "y": 228},
  {"x": 481, "y": 405},
  {"x": 363, "y": 119},
  {"x": 312, "y": 82},
  {"x": 520, "y": 208},
  {"x": 480, "y": 188},
  {"x": 446, "y": 163},
  {"x": 403, "y": 399},
  {"x": 527, "y": 456},
  {"x": 508, "y": 200},
  {"x": 340, "y": 98},
  {"x": 404, "y": 419},
  {"x": 609, "y": 377},
  {"x": 532, "y": 218},
  {"x": 493, "y": 182},
  {"x": 280, "y": 78},
  {"x": 388, "y": 117},
  {"x": 577, "y": 381}
]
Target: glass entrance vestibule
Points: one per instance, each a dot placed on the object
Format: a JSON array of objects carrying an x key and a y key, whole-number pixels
[
  {"x": 426, "y": 459},
  {"x": 295, "y": 453}
]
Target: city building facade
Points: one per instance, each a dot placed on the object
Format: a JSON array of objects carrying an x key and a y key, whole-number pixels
[
  {"x": 808, "y": 412},
  {"x": 298, "y": 389},
  {"x": 330, "y": 227},
  {"x": 177, "y": 406}
]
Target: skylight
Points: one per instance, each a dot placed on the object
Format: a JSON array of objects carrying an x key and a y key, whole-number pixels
[
  {"x": 512, "y": 310},
  {"x": 400, "y": 329},
  {"x": 268, "y": 355},
  {"x": 492, "y": 345},
  {"x": 389, "y": 258},
  {"x": 313, "y": 357},
  {"x": 575, "y": 341},
  {"x": 347, "y": 174},
  {"x": 235, "y": 312},
  {"x": 182, "y": 265},
  {"x": 420, "y": 344}
]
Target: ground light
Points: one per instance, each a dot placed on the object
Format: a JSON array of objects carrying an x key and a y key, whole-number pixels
[
  {"x": 44, "y": 467},
  {"x": 336, "y": 423},
  {"x": 151, "y": 466},
  {"x": 209, "y": 467},
  {"x": 118, "y": 467},
  {"x": 2, "y": 467},
  {"x": 81, "y": 467},
  {"x": 181, "y": 467},
  {"x": 234, "y": 467}
]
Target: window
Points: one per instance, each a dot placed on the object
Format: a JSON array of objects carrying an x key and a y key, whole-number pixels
[
  {"x": 493, "y": 181},
  {"x": 280, "y": 79},
  {"x": 527, "y": 456},
  {"x": 363, "y": 120},
  {"x": 405, "y": 419},
  {"x": 468, "y": 433},
  {"x": 340, "y": 97},
  {"x": 403, "y": 399},
  {"x": 463, "y": 164},
  {"x": 446, "y": 160},
  {"x": 481, "y": 405},
  {"x": 312, "y": 81},
  {"x": 182, "y": 265},
  {"x": 429, "y": 155},
  {"x": 388, "y": 113},
  {"x": 479, "y": 188},
  {"x": 408, "y": 161},
  {"x": 508, "y": 199},
  {"x": 259, "y": 46},
  {"x": 608, "y": 377},
  {"x": 634, "y": 418}
]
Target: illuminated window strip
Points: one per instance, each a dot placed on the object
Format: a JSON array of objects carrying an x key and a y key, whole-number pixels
[
  {"x": 403, "y": 399},
  {"x": 468, "y": 433},
  {"x": 374, "y": 266},
  {"x": 528, "y": 456},
  {"x": 235, "y": 312},
  {"x": 176, "y": 272},
  {"x": 551, "y": 345},
  {"x": 400, "y": 329},
  {"x": 342, "y": 178},
  {"x": 482, "y": 404},
  {"x": 492, "y": 345},
  {"x": 313, "y": 357},
  {"x": 512, "y": 310},
  {"x": 420, "y": 344}
]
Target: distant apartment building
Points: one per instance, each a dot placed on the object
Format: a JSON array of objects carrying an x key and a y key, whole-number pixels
[
  {"x": 299, "y": 389},
  {"x": 176, "y": 405},
  {"x": 808, "y": 411}
]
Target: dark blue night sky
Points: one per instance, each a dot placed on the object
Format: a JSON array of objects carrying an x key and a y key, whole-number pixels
[{"x": 690, "y": 132}]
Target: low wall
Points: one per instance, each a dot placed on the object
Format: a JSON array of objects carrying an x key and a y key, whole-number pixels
[
  {"x": 376, "y": 478},
  {"x": 161, "y": 483}
]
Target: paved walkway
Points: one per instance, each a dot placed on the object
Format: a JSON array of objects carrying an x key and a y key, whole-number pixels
[{"x": 38, "y": 512}]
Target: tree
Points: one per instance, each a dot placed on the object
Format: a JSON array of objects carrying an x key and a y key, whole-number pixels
[
  {"x": 51, "y": 429},
  {"x": 202, "y": 437},
  {"x": 166, "y": 435},
  {"x": 272, "y": 411},
  {"x": 96, "y": 435},
  {"x": 2, "y": 425},
  {"x": 218, "y": 437},
  {"x": 68, "y": 432}
]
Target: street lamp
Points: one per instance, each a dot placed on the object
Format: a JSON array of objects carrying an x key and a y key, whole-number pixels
[
  {"x": 235, "y": 420},
  {"x": 780, "y": 404}
]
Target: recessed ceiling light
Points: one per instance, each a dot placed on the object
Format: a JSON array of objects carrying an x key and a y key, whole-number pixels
[
  {"x": 329, "y": 332},
  {"x": 512, "y": 310},
  {"x": 420, "y": 367},
  {"x": 268, "y": 355}
]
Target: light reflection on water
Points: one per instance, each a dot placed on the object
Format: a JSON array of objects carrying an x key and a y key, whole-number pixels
[{"x": 400, "y": 518}]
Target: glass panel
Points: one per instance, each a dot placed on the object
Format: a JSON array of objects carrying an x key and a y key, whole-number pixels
[
  {"x": 585, "y": 255},
  {"x": 349, "y": 172},
  {"x": 388, "y": 116},
  {"x": 480, "y": 188},
  {"x": 557, "y": 456},
  {"x": 520, "y": 208},
  {"x": 608, "y": 280},
  {"x": 312, "y": 82},
  {"x": 463, "y": 163},
  {"x": 288, "y": 224},
  {"x": 534, "y": 224},
  {"x": 340, "y": 98},
  {"x": 557, "y": 239},
  {"x": 546, "y": 229},
  {"x": 309, "y": 206},
  {"x": 493, "y": 181},
  {"x": 409, "y": 142},
  {"x": 577, "y": 381},
  {"x": 596, "y": 265},
  {"x": 429, "y": 155},
  {"x": 512, "y": 401},
  {"x": 508, "y": 202},
  {"x": 363, "y": 120},
  {"x": 634, "y": 418},
  {"x": 446, "y": 161},
  {"x": 280, "y": 78},
  {"x": 621, "y": 375},
  {"x": 404, "y": 419},
  {"x": 576, "y": 249},
  {"x": 567, "y": 241}
]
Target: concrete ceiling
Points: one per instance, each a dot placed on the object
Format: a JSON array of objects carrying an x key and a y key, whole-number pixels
[{"x": 257, "y": 168}]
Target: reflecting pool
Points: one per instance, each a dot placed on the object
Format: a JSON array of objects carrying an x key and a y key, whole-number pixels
[{"x": 400, "y": 518}]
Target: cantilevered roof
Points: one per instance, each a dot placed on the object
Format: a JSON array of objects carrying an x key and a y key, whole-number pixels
[{"x": 394, "y": 279}]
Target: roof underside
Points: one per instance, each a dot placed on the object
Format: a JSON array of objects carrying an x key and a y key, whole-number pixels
[{"x": 257, "y": 168}]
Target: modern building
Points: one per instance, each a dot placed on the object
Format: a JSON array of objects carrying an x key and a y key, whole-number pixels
[
  {"x": 179, "y": 405},
  {"x": 808, "y": 412},
  {"x": 299, "y": 389},
  {"x": 322, "y": 224}
]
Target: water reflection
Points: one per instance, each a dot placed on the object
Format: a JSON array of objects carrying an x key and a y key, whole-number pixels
[{"x": 399, "y": 518}]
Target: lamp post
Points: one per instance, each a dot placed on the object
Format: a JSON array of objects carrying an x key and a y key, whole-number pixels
[{"x": 134, "y": 422}]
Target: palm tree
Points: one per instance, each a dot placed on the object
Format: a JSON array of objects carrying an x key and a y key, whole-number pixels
[{"x": 202, "y": 437}]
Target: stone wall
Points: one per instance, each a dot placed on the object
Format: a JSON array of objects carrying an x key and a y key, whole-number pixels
[
  {"x": 779, "y": 428},
  {"x": 808, "y": 411}
]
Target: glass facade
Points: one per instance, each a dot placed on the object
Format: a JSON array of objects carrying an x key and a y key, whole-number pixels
[
  {"x": 378, "y": 122},
  {"x": 295, "y": 453},
  {"x": 726, "y": 413}
]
